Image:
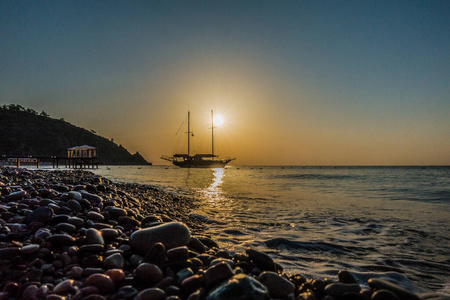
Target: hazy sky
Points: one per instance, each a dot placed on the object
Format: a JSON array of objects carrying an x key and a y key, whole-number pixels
[{"x": 298, "y": 82}]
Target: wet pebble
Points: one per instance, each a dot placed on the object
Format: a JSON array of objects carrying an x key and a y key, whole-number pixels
[
  {"x": 278, "y": 286},
  {"x": 171, "y": 235},
  {"x": 337, "y": 289},
  {"x": 240, "y": 287},
  {"x": 261, "y": 260},
  {"x": 381, "y": 284}
]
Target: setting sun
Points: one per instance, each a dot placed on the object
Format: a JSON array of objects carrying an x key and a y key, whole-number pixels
[{"x": 218, "y": 120}]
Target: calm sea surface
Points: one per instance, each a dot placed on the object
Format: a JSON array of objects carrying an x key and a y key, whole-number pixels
[{"x": 390, "y": 222}]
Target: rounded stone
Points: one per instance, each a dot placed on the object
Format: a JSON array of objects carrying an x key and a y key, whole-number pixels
[
  {"x": 151, "y": 294},
  {"x": 217, "y": 273},
  {"x": 61, "y": 240},
  {"x": 30, "y": 292},
  {"x": 171, "y": 235},
  {"x": 64, "y": 286},
  {"x": 346, "y": 277},
  {"x": 65, "y": 227},
  {"x": 261, "y": 260},
  {"x": 127, "y": 292},
  {"x": 156, "y": 255},
  {"x": 337, "y": 289},
  {"x": 381, "y": 284},
  {"x": 116, "y": 211},
  {"x": 74, "y": 205},
  {"x": 149, "y": 273},
  {"x": 101, "y": 281},
  {"x": 93, "y": 236},
  {"x": 42, "y": 214},
  {"x": 114, "y": 261},
  {"x": 30, "y": 249},
  {"x": 74, "y": 195},
  {"x": 279, "y": 287},
  {"x": 240, "y": 287},
  {"x": 115, "y": 274},
  {"x": 78, "y": 222},
  {"x": 383, "y": 295},
  {"x": 178, "y": 253},
  {"x": 95, "y": 216},
  {"x": 16, "y": 195},
  {"x": 109, "y": 233}
]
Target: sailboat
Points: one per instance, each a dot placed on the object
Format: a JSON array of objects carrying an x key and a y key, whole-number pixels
[{"x": 208, "y": 160}]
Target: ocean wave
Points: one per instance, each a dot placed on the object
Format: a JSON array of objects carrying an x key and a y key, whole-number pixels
[
  {"x": 317, "y": 176},
  {"x": 278, "y": 243}
]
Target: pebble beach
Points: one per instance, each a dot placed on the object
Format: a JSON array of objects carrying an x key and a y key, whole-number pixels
[{"x": 77, "y": 235}]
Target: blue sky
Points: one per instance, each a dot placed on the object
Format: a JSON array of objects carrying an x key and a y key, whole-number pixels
[{"x": 298, "y": 82}]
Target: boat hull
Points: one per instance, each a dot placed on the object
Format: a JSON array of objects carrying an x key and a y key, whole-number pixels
[{"x": 202, "y": 164}]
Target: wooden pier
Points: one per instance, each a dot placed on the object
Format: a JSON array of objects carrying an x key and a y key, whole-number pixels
[{"x": 55, "y": 161}]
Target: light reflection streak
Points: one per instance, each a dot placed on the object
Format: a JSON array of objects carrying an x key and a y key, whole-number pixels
[{"x": 214, "y": 191}]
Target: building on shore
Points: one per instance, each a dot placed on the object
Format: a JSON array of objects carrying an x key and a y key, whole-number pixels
[
  {"x": 84, "y": 151},
  {"x": 82, "y": 157}
]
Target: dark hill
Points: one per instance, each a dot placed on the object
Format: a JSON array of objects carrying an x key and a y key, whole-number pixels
[{"x": 25, "y": 132}]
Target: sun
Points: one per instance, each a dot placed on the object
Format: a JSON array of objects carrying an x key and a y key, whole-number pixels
[{"x": 218, "y": 120}]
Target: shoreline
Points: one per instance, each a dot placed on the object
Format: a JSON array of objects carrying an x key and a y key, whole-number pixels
[{"x": 74, "y": 234}]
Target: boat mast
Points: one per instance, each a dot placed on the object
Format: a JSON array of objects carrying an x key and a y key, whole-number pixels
[
  {"x": 189, "y": 133},
  {"x": 212, "y": 131}
]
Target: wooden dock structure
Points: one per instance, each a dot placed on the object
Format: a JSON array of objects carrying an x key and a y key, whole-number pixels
[{"x": 55, "y": 161}]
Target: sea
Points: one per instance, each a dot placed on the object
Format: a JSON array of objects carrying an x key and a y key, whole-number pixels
[{"x": 387, "y": 222}]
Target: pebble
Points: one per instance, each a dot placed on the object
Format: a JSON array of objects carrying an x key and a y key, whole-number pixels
[
  {"x": 337, "y": 289},
  {"x": 74, "y": 205},
  {"x": 261, "y": 260},
  {"x": 240, "y": 286},
  {"x": 61, "y": 240},
  {"x": 384, "y": 295},
  {"x": 346, "y": 277},
  {"x": 278, "y": 286},
  {"x": 115, "y": 274},
  {"x": 93, "y": 236},
  {"x": 171, "y": 235},
  {"x": 74, "y": 195},
  {"x": 16, "y": 195},
  {"x": 178, "y": 253},
  {"x": 114, "y": 261},
  {"x": 217, "y": 273},
  {"x": 101, "y": 281},
  {"x": 29, "y": 249},
  {"x": 127, "y": 292},
  {"x": 149, "y": 274},
  {"x": 95, "y": 216},
  {"x": 42, "y": 214},
  {"x": 381, "y": 284},
  {"x": 109, "y": 233},
  {"x": 151, "y": 294},
  {"x": 64, "y": 286},
  {"x": 65, "y": 227},
  {"x": 116, "y": 211}
]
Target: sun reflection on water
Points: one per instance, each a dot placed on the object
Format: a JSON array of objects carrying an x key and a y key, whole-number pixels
[{"x": 214, "y": 191}]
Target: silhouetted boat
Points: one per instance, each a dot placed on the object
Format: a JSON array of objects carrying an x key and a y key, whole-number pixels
[{"x": 208, "y": 160}]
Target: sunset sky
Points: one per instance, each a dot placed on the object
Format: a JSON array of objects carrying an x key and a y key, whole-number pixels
[{"x": 297, "y": 82}]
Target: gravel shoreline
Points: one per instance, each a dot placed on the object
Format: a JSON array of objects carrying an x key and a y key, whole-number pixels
[{"x": 77, "y": 235}]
